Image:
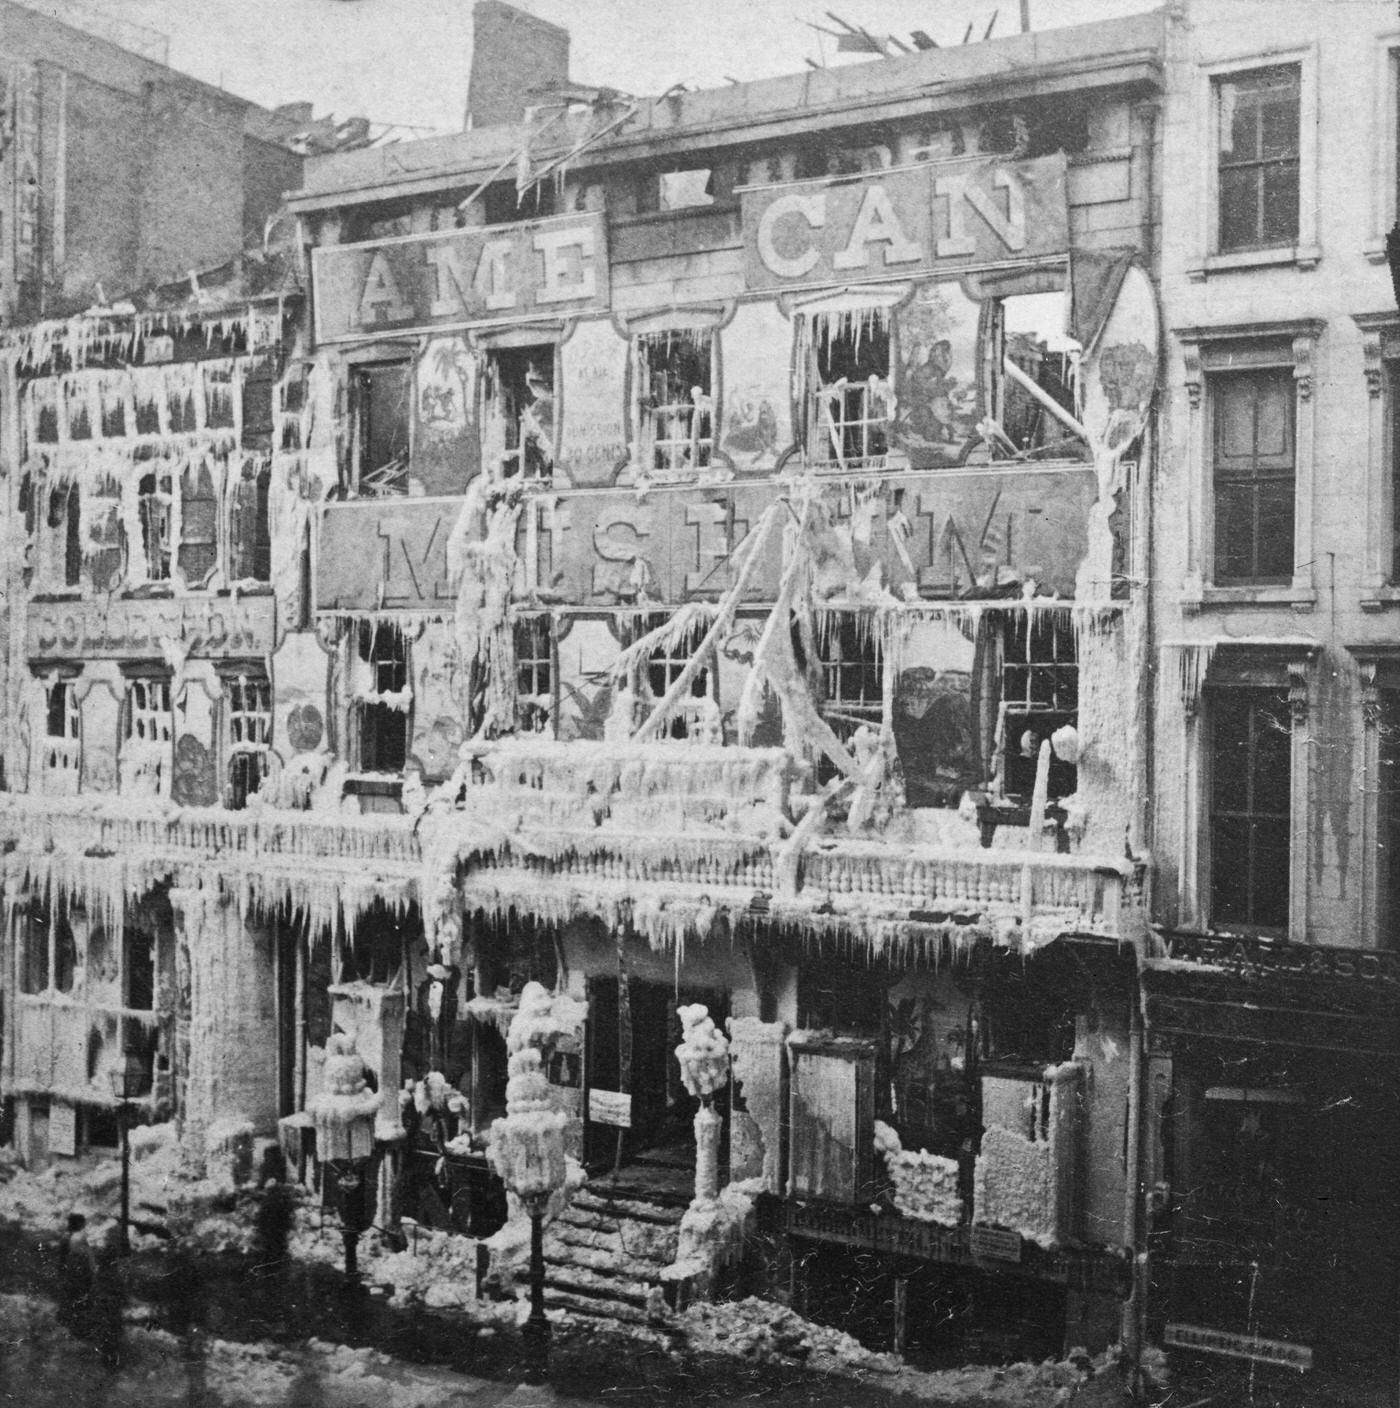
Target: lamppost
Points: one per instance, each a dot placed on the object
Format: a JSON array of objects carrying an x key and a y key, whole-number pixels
[
  {"x": 704, "y": 1060},
  {"x": 129, "y": 1082},
  {"x": 527, "y": 1150},
  {"x": 344, "y": 1115}
]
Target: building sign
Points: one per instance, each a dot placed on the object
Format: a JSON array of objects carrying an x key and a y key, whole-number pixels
[
  {"x": 499, "y": 273},
  {"x": 996, "y": 1243},
  {"x": 940, "y": 217},
  {"x": 1246, "y": 957},
  {"x": 1237, "y": 1346},
  {"x": 937, "y": 537},
  {"x": 107, "y": 629},
  {"x": 610, "y": 1107}
]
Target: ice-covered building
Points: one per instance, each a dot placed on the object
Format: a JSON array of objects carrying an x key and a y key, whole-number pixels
[
  {"x": 704, "y": 561},
  {"x": 1274, "y": 1012}
]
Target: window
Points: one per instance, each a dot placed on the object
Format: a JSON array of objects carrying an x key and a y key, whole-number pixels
[
  {"x": 1259, "y": 157},
  {"x": 250, "y": 531},
  {"x": 199, "y": 525},
  {"x": 1253, "y": 470},
  {"x": 674, "y": 376},
  {"x": 664, "y": 667},
  {"x": 65, "y": 565},
  {"x": 518, "y": 390},
  {"x": 248, "y": 699},
  {"x": 62, "y": 756},
  {"x": 1039, "y": 694},
  {"x": 50, "y": 952},
  {"x": 1250, "y": 796},
  {"x": 383, "y": 698},
  {"x": 153, "y": 503},
  {"x": 147, "y": 754},
  {"x": 675, "y": 190},
  {"x": 847, "y": 366},
  {"x": 534, "y": 672},
  {"x": 381, "y": 394},
  {"x": 851, "y": 668},
  {"x": 504, "y": 205}
]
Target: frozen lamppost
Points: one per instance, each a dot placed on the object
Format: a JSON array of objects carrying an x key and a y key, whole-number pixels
[
  {"x": 527, "y": 1150},
  {"x": 129, "y": 1081},
  {"x": 704, "y": 1059},
  {"x": 344, "y": 1116}
]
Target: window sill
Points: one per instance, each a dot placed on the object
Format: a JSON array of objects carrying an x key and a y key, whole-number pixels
[
  {"x": 1381, "y": 599},
  {"x": 1202, "y": 598},
  {"x": 1301, "y": 256},
  {"x": 1374, "y": 250},
  {"x": 373, "y": 784}
]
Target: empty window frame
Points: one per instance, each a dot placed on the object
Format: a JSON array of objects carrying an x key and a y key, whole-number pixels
[
  {"x": 674, "y": 372},
  {"x": 198, "y": 550},
  {"x": 250, "y": 527},
  {"x": 1039, "y": 694},
  {"x": 664, "y": 667},
  {"x": 248, "y": 706},
  {"x": 155, "y": 497},
  {"x": 381, "y": 394},
  {"x": 851, "y": 667},
  {"x": 849, "y": 398},
  {"x": 518, "y": 394},
  {"x": 49, "y": 950},
  {"x": 147, "y": 753},
  {"x": 1250, "y": 804},
  {"x": 684, "y": 189},
  {"x": 504, "y": 205},
  {"x": 535, "y": 672},
  {"x": 1254, "y": 471},
  {"x": 383, "y": 703},
  {"x": 62, "y": 747},
  {"x": 64, "y": 556},
  {"x": 1258, "y": 157}
]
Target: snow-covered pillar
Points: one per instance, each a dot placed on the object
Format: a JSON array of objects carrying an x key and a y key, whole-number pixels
[
  {"x": 227, "y": 992},
  {"x": 704, "y": 1059},
  {"x": 707, "y": 1130}
]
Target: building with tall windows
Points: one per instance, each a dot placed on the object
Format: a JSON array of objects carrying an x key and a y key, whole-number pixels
[
  {"x": 1272, "y": 1136},
  {"x": 685, "y": 550}
]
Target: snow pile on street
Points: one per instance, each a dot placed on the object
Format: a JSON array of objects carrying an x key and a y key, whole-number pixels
[
  {"x": 769, "y": 1333},
  {"x": 925, "y": 1185}
]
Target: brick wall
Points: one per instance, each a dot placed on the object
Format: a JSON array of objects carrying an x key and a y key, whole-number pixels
[{"x": 512, "y": 52}]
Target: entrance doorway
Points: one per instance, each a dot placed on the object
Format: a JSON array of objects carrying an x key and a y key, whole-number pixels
[{"x": 633, "y": 1075}]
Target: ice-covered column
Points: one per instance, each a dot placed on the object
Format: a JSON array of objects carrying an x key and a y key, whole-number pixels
[{"x": 704, "y": 1059}]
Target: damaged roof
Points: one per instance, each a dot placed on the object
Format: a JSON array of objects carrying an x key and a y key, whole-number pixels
[{"x": 1106, "y": 52}]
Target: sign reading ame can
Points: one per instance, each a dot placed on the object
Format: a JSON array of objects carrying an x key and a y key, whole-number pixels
[
  {"x": 610, "y": 1107},
  {"x": 1237, "y": 1346},
  {"x": 995, "y": 1242},
  {"x": 500, "y": 273},
  {"x": 937, "y": 216}
]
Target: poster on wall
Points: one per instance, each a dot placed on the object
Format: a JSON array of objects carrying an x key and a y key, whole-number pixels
[
  {"x": 440, "y": 702},
  {"x": 593, "y": 437},
  {"x": 937, "y": 391},
  {"x": 757, "y": 407},
  {"x": 447, "y": 436}
]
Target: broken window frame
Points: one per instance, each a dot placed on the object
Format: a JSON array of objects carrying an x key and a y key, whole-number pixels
[
  {"x": 247, "y": 731},
  {"x": 519, "y": 438},
  {"x": 849, "y": 424},
  {"x": 536, "y": 672},
  {"x": 197, "y": 552},
  {"x": 381, "y": 656},
  {"x": 45, "y": 951},
  {"x": 148, "y": 718},
  {"x": 155, "y": 515},
  {"x": 663, "y": 667},
  {"x": 60, "y": 763},
  {"x": 1037, "y": 679},
  {"x": 61, "y": 557},
  {"x": 675, "y": 425},
  {"x": 1234, "y": 799},
  {"x": 1264, "y": 475},
  {"x": 850, "y": 675},
  {"x": 1243, "y": 180},
  {"x": 250, "y": 522},
  {"x": 391, "y": 478}
]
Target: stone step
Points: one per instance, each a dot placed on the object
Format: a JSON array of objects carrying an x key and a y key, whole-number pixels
[
  {"x": 587, "y": 1201},
  {"x": 606, "y": 1263},
  {"x": 582, "y": 1281},
  {"x": 596, "y": 1309}
]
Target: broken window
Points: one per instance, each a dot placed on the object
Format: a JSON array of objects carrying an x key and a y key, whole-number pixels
[
  {"x": 664, "y": 667},
  {"x": 1039, "y": 694},
  {"x": 383, "y": 699},
  {"x": 250, "y": 530},
  {"x": 49, "y": 960},
  {"x": 199, "y": 525},
  {"x": 381, "y": 394},
  {"x": 675, "y": 190},
  {"x": 674, "y": 380},
  {"x": 503, "y": 205},
  {"x": 62, "y": 755},
  {"x": 851, "y": 671},
  {"x": 147, "y": 753},
  {"x": 518, "y": 390},
  {"x": 1038, "y": 347},
  {"x": 248, "y": 701},
  {"x": 848, "y": 399},
  {"x": 154, "y": 499},
  {"x": 1258, "y": 157},
  {"x": 1253, "y": 468},
  {"x": 534, "y": 672},
  {"x": 65, "y": 556},
  {"x": 219, "y": 393},
  {"x": 1250, "y": 801}
]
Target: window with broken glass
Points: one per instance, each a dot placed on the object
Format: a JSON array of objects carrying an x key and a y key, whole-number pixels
[
  {"x": 518, "y": 410},
  {"x": 383, "y": 699},
  {"x": 1250, "y": 801},
  {"x": 664, "y": 667},
  {"x": 248, "y": 702},
  {"x": 534, "y": 672},
  {"x": 848, "y": 397},
  {"x": 63, "y": 558},
  {"x": 1039, "y": 693},
  {"x": 49, "y": 950},
  {"x": 147, "y": 753},
  {"x": 850, "y": 669},
  {"x": 1258, "y": 157},
  {"x": 250, "y": 528},
  {"x": 1254, "y": 473},
  {"x": 380, "y": 393},
  {"x": 62, "y": 755},
  {"x": 155, "y": 497},
  {"x": 674, "y": 376}
]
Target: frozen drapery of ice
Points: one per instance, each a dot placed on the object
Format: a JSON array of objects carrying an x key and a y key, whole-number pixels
[
  {"x": 925, "y": 1185},
  {"x": 345, "y": 1109}
]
